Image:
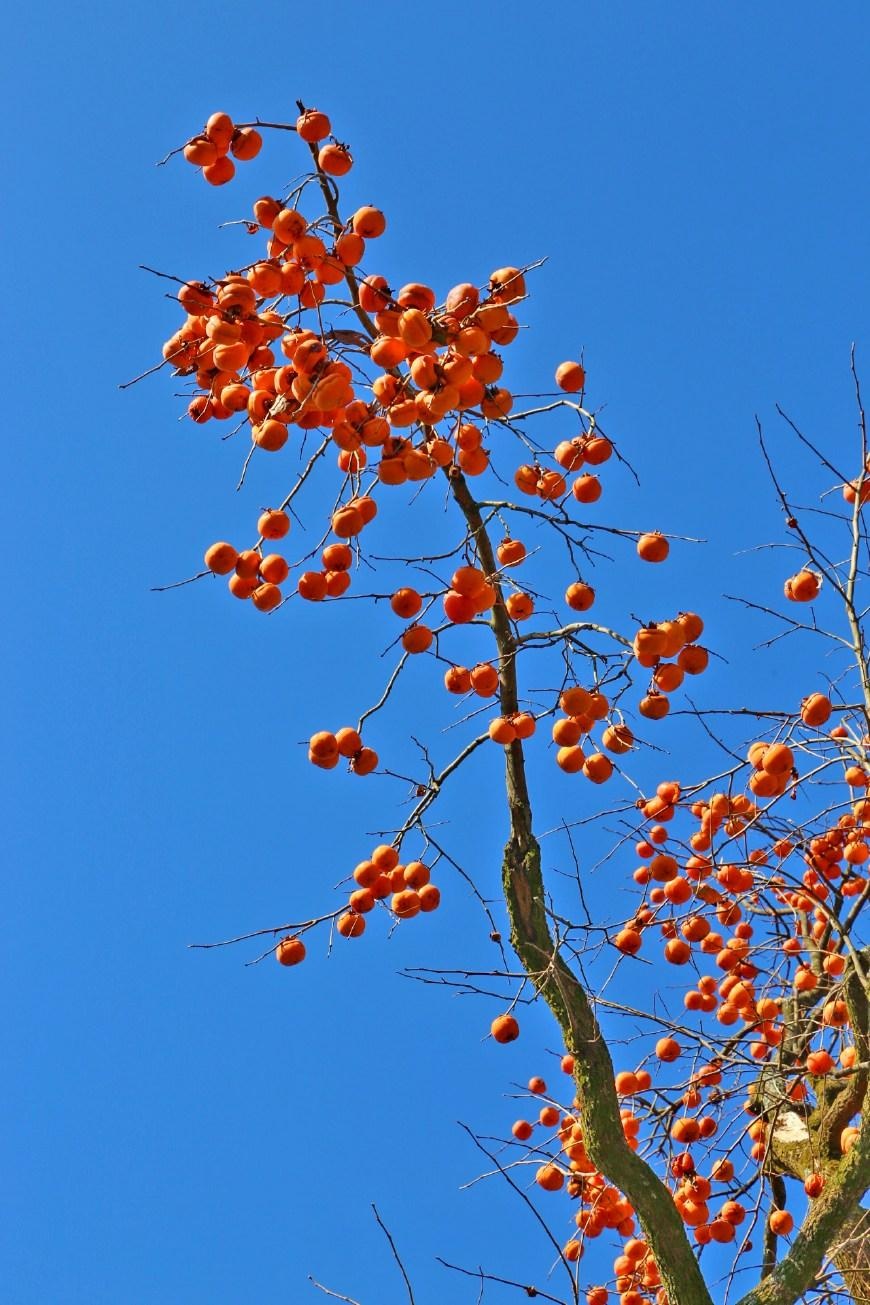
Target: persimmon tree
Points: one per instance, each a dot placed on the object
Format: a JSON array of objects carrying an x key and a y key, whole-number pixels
[{"x": 744, "y": 1117}]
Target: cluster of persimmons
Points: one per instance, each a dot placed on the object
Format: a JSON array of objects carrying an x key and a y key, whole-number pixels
[
  {"x": 705, "y": 896},
  {"x": 415, "y": 392},
  {"x": 435, "y": 393}
]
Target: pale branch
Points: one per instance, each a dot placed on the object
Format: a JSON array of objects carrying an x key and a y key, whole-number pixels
[
  {"x": 336, "y": 1295},
  {"x": 574, "y": 627}
]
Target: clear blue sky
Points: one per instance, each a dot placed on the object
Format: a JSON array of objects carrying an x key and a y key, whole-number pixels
[{"x": 179, "y": 1127}]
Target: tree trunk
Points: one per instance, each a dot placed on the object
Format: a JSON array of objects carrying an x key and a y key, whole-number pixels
[
  {"x": 851, "y": 1256},
  {"x": 598, "y": 1106},
  {"x": 562, "y": 990}
]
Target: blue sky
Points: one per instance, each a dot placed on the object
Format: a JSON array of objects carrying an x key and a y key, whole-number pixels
[{"x": 178, "y": 1126}]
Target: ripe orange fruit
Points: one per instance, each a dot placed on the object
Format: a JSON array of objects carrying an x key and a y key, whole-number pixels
[
  {"x": 385, "y": 857},
  {"x": 579, "y": 596},
  {"x": 484, "y": 680},
  {"x": 510, "y": 552},
  {"x": 468, "y": 580},
  {"x": 570, "y": 758},
  {"x": 195, "y": 297},
  {"x": 626, "y": 1083},
  {"x": 361, "y": 900},
  {"x": 248, "y": 563},
  {"x": 501, "y": 730},
  {"x": 274, "y": 568},
  {"x": 323, "y": 747},
  {"x": 628, "y": 941},
  {"x": 653, "y": 547},
  {"x": 351, "y": 925},
  {"x": 668, "y": 676},
  {"x": 364, "y": 761},
  {"x": 221, "y": 558},
  {"x": 816, "y": 709},
  {"x": 312, "y": 126},
  {"x": 368, "y": 222},
  {"x": 220, "y": 172},
  {"x": 290, "y": 950},
  {"x": 677, "y": 951},
  {"x": 597, "y": 449},
  {"x": 273, "y": 524},
  {"x": 270, "y": 435},
  {"x": 406, "y": 603},
  {"x": 820, "y": 1062},
  {"x": 598, "y": 768},
  {"x": 336, "y": 160},
  {"x": 520, "y": 606},
  {"x": 550, "y": 1178},
  {"x": 586, "y": 489},
  {"x": 430, "y": 897},
  {"x": 366, "y": 873},
  {"x": 246, "y": 143},
  {"x": 803, "y": 587},
  {"x": 266, "y": 597},
  {"x": 312, "y": 586},
  {"x": 336, "y": 557},
  {"x": 219, "y": 130},
  {"x": 504, "y": 1028},
  {"x": 778, "y": 759},
  {"x": 457, "y": 679},
  {"x": 201, "y": 151},
  {"x": 524, "y": 724},
  {"x": 405, "y": 904},
  {"x": 347, "y": 521},
  {"x": 570, "y": 454},
  {"x": 507, "y": 285},
  {"x": 458, "y": 608},
  {"x": 654, "y": 706},
  {"x": 242, "y": 586},
  {"x": 570, "y": 377},
  {"x": 567, "y": 732},
  {"x": 348, "y": 741},
  {"x": 848, "y": 1138},
  {"x": 417, "y": 638},
  {"x": 781, "y": 1222},
  {"x": 693, "y": 659},
  {"x": 618, "y": 739}
]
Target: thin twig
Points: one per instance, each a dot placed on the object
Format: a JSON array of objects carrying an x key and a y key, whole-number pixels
[{"x": 396, "y": 1255}]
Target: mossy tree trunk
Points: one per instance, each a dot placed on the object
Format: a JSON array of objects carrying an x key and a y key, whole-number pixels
[{"x": 851, "y": 1255}]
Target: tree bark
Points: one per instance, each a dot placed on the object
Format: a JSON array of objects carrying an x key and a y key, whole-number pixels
[{"x": 851, "y": 1256}]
